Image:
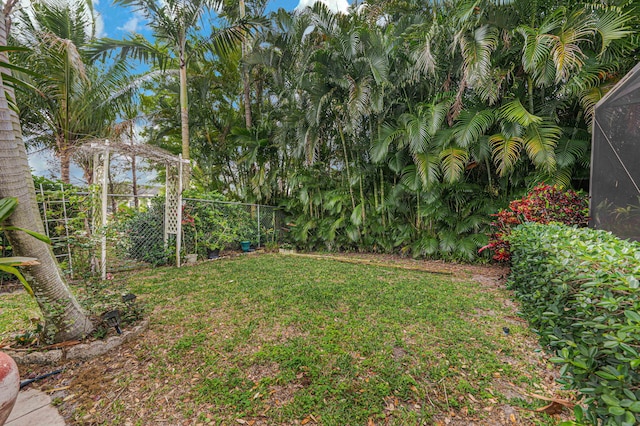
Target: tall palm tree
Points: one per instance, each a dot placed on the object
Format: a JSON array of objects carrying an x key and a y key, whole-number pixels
[
  {"x": 76, "y": 100},
  {"x": 64, "y": 319},
  {"x": 176, "y": 26}
]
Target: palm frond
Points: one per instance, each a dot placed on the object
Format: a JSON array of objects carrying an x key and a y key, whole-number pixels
[
  {"x": 540, "y": 143},
  {"x": 427, "y": 167},
  {"x": 135, "y": 47},
  {"x": 471, "y": 125},
  {"x": 515, "y": 112},
  {"x": 566, "y": 51},
  {"x": 611, "y": 25},
  {"x": 588, "y": 101},
  {"x": 476, "y": 51},
  {"x": 505, "y": 152},
  {"x": 453, "y": 161}
]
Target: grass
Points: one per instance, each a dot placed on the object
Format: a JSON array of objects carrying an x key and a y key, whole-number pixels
[
  {"x": 282, "y": 339},
  {"x": 16, "y": 312}
]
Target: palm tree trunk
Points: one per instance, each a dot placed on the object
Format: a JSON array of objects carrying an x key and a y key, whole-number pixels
[
  {"x": 245, "y": 77},
  {"x": 65, "y": 165},
  {"x": 134, "y": 182},
  {"x": 64, "y": 319},
  {"x": 346, "y": 164},
  {"x": 247, "y": 97},
  {"x": 184, "y": 118}
]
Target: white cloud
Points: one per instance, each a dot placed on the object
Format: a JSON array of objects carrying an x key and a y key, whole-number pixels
[
  {"x": 136, "y": 24},
  {"x": 336, "y": 6},
  {"x": 131, "y": 26},
  {"x": 99, "y": 22}
]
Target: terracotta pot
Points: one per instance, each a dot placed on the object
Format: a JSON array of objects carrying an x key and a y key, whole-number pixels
[{"x": 9, "y": 385}]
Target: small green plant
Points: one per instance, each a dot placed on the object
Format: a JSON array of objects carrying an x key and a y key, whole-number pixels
[
  {"x": 100, "y": 332},
  {"x": 580, "y": 290},
  {"x": 29, "y": 337},
  {"x": 210, "y": 223},
  {"x": 271, "y": 247}
]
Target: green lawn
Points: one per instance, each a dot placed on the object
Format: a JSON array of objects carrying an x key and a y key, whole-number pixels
[{"x": 274, "y": 339}]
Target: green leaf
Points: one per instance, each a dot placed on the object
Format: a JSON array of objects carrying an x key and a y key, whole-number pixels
[
  {"x": 606, "y": 375},
  {"x": 516, "y": 112},
  {"x": 540, "y": 143},
  {"x": 635, "y": 407},
  {"x": 505, "y": 152},
  {"x": 34, "y": 234},
  {"x": 632, "y": 316},
  {"x": 16, "y": 261},
  {"x": 7, "y": 206},
  {"x": 610, "y": 400},
  {"x": 13, "y": 271},
  {"x": 616, "y": 411},
  {"x": 453, "y": 161},
  {"x": 471, "y": 125}
]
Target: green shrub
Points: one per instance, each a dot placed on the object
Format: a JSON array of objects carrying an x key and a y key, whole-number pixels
[
  {"x": 579, "y": 290},
  {"x": 211, "y": 223},
  {"x": 142, "y": 234}
]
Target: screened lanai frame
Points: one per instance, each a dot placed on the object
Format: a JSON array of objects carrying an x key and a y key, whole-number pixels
[
  {"x": 173, "y": 189},
  {"x": 615, "y": 160}
]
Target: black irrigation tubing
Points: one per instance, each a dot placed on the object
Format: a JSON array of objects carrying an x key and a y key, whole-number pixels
[{"x": 27, "y": 382}]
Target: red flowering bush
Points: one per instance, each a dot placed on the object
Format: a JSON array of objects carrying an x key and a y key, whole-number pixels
[{"x": 544, "y": 204}]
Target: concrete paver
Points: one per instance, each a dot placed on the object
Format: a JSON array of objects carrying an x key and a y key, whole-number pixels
[{"x": 33, "y": 407}]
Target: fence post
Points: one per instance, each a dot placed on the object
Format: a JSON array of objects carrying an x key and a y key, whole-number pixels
[
  {"x": 44, "y": 211},
  {"x": 258, "y": 225},
  {"x": 179, "y": 213}
]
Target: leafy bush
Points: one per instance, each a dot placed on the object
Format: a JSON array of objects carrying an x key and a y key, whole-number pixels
[
  {"x": 449, "y": 222},
  {"x": 544, "y": 204},
  {"x": 143, "y": 234},
  {"x": 211, "y": 223},
  {"x": 579, "y": 289}
]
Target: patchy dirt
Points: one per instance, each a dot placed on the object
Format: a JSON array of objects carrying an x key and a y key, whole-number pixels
[
  {"x": 492, "y": 275},
  {"x": 119, "y": 387}
]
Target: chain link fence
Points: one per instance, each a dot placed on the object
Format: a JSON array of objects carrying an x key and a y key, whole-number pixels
[
  {"x": 210, "y": 226},
  {"x": 135, "y": 236}
]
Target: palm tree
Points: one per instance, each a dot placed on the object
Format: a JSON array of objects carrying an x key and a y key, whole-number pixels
[
  {"x": 64, "y": 319},
  {"x": 175, "y": 25},
  {"x": 75, "y": 100}
]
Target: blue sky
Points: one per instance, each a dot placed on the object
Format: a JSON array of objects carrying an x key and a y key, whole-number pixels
[{"x": 116, "y": 22}]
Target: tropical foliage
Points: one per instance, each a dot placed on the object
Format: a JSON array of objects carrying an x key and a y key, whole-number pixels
[
  {"x": 387, "y": 131},
  {"x": 74, "y": 99},
  {"x": 400, "y": 126},
  {"x": 8, "y": 264}
]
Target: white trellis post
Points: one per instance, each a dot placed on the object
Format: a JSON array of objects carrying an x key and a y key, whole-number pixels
[
  {"x": 173, "y": 185},
  {"x": 105, "y": 193},
  {"x": 179, "y": 213},
  {"x": 173, "y": 205}
]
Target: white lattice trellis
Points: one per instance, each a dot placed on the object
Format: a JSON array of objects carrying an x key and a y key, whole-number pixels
[
  {"x": 173, "y": 205},
  {"x": 173, "y": 185}
]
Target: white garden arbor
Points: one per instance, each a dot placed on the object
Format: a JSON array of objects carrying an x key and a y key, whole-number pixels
[{"x": 174, "y": 166}]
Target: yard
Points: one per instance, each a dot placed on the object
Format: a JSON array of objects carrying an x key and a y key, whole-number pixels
[{"x": 272, "y": 339}]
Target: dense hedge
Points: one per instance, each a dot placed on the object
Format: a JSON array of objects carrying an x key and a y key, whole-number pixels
[{"x": 579, "y": 290}]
